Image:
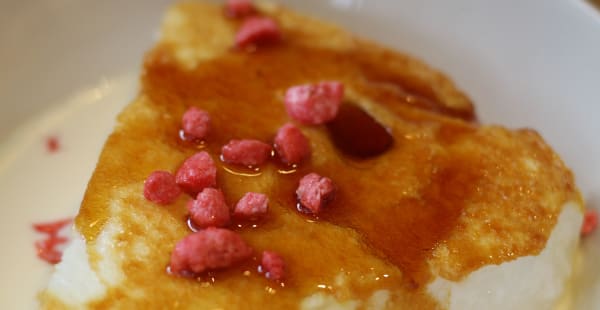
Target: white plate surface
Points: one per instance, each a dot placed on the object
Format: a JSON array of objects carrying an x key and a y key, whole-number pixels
[{"x": 67, "y": 67}]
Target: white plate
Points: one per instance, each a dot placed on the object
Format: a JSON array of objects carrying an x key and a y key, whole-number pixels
[{"x": 67, "y": 67}]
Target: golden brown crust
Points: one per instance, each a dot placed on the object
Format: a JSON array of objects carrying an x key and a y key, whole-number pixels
[{"x": 448, "y": 198}]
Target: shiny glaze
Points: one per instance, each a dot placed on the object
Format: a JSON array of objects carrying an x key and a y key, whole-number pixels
[
  {"x": 390, "y": 213},
  {"x": 355, "y": 133}
]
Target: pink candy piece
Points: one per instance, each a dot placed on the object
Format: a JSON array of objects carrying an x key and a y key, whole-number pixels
[
  {"x": 257, "y": 31},
  {"x": 52, "y": 228},
  {"x": 52, "y": 144},
  {"x": 291, "y": 145},
  {"x": 196, "y": 173},
  {"x": 209, "y": 249},
  {"x": 590, "y": 222},
  {"x": 160, "y": 187},
  {"x": 209, "y": 209},
  {"x": 49, "y": 249},
  {"x": 238, "y": 8},
  {"x": 196, "y": 123},
  {"x": 314, "y": 104},
  {"x": 251, "y": 206},
  {"x": 273, "y": 266},
  {"x": 315, "y": 192},
  {"x": 246, "y": 152}
]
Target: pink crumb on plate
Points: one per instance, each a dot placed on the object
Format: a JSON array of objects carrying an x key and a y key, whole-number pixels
[
  {"x": 53, "y": 227},
  {"x": 52, "y": 144},
  {"x": 590, "y": 222},
  {"x": 47, "y": 249}
]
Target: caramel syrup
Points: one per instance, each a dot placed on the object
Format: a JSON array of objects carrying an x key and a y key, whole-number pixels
[
  {"x": 358, "y": 134},
  {"x": 401, "y": 190}
]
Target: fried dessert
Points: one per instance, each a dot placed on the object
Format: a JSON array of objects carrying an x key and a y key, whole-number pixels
[{"x": 381, "y": 191}]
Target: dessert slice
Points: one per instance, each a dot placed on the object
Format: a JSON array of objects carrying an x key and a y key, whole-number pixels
[{"x": 302, "y": 167}]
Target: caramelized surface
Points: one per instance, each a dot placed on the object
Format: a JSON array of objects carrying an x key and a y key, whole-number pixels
[{"x": 446, "y": 198}]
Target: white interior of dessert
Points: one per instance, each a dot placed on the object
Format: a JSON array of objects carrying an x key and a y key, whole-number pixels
[
  {"x": 531, "y": 282},
  {"x": 74, "y": 282}
]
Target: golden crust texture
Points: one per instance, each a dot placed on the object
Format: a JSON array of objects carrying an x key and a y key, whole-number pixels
[{"x": 449, "y": 197}]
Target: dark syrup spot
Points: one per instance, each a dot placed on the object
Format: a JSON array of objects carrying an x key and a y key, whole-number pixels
[{"x": 358, "y": 134}]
